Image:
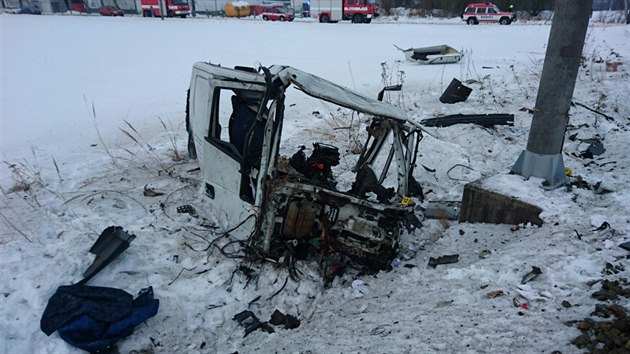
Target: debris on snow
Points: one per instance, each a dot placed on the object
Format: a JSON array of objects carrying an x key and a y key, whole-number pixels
[
  {"x": 250, "y": 322},
  {"x": 484, "y": 120},
  {"x": 280, "y": 319},
  {"x": 535, "y": 272},
  {"x": 448, "y": 259},
  {"x": 455, "y": 92},
  {"x": 110, "y": 244}
]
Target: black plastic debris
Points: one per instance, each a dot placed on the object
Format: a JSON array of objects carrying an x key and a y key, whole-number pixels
[
  {"x": 603, "y": 226},
  {"x": 250, "y": 322},
  {"x": 110, "y": 244},
  {"x": 448, "y": 259},
  {"x": 388, "y": 88},
  {"x": 484, "y": 120},
  {"x": 280, "y": 319},
  {"x": 531, "y": 275},
  {"x": 595, "y": 149},
  {"x": 455, "y": 92}
]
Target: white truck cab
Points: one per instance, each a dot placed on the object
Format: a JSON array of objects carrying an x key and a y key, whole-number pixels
[{"x": 276, "y": 202}]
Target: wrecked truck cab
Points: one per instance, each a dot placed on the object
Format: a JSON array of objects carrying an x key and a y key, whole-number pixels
[{"x": 280, "y": 200}]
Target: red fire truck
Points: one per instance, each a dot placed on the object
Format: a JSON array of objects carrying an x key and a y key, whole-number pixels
[
  {"x": 357, "y": 11},
  {"x": 168, "y": 8},
  {"x": 77, "y": 5}
]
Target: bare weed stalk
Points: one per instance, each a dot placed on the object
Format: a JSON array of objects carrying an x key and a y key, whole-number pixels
[
  {"x": 92, "y": 112},
  {"x": 138, "y": 139},
  {"x": 57, "y": 169},
  {"x": 12, "y": 226},
  {"x": 172, "y": 137},
  {"x": 87, "y": 196},
  {"x": 518, "y": 83},
  {"x": 343, "y": 126},
  {"x": 392, "y": 75},
  {"x": 466, "y": 65},
  {"x": 354, "y": 85},
  {"x": 24, "y": 175},
  {"x": 9, "y": 222}
]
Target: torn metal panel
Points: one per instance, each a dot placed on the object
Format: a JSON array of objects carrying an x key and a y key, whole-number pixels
[
  {"x": 455, "y": 92},
  {"x": 328, "y": 91}
]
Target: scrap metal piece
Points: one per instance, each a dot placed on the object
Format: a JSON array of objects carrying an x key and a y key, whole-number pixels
[
  {"x": 110, "y": 244},
  {"x": 150, "y": 192},
  {"x": 485, "y": 120},
  {"x": 485, "y": 254},
  {"x": 495, "y": 293},
  {"x": 438, "y": 209},
  {"x": 531, "y": 275},
  {"x": 381, "y": 93},
  {"x": 434, "y": 262}
]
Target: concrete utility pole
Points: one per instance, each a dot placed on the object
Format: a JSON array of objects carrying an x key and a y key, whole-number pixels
[{"x": 543, "y": 157}]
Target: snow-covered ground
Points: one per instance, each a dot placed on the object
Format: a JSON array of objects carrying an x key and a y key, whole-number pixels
[{"x": 75, "y": 88}]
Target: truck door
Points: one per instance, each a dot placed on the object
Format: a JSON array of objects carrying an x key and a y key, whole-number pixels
[
  {"x": 214, "y": 106},
  {"x": 482, "y": 14}
]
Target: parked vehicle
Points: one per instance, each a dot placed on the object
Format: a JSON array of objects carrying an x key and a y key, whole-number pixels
[
  {"x": 11, "y": 10},
  {"x": 276, "y": 14},
  {"x": 78, "y": 6},
  {"x": 237, "y": 9},
  {"x": 109, "y": 10},
  {"x": 167, "y": 8},
  {"x": 486, "y": 12},
  {"x": 357, "y": 11},
  {"x": 285, "y": 207},
  {"x": 26, "y": 10}
]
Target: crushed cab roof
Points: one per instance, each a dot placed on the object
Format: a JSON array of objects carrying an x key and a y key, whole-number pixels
[{"x": 313, "y": 86}]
